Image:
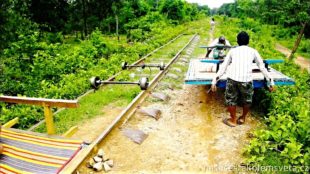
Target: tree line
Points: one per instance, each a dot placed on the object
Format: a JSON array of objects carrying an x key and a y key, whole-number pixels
[
  {"x": 81, "y": 17},
  {"x": 292, "y": 14}
]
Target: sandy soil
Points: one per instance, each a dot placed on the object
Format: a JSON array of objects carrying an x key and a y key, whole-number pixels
[
  {"x": 299, "y": 60},
  {"x": 189, "y": 137}
]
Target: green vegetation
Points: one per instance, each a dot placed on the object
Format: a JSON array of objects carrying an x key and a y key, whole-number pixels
[{"x": 44, "y": 56}]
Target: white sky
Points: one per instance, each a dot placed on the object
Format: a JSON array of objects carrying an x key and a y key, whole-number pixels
[{"x": 211, "y": 3}]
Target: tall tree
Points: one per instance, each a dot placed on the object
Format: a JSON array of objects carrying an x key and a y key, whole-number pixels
[{"x": 51, "y": 15}]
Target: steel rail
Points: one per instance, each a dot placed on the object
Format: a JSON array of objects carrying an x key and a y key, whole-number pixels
[
  {"x": 109, "y": 79},
  {"x": 129, "y": 111}
]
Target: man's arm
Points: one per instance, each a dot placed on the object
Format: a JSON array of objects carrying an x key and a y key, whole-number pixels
[
  {"x": 261, "y": 66},
  {"x": 223, "y": 68}
]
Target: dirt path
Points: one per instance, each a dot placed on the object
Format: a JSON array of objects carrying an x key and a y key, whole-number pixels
[
  {"x": 299, "y": 60},
  {"x": 91, "y": 130},
  {"x": 188, "y": 138}
]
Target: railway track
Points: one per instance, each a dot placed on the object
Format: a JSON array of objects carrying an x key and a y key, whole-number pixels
[
  {"x": 92, "y": 148},
  {"x": 112, "y": 78}
]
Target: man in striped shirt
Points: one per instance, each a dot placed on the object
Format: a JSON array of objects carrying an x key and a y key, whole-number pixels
[{"x": 238, "y": 64}]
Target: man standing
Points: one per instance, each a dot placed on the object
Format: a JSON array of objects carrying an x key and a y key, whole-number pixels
[
  {"x": 212, "y": 24},
  {"x": 239, "y": 78}
]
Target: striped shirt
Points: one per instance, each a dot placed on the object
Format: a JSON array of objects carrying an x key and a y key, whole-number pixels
[{"x": 240, "y": 61}]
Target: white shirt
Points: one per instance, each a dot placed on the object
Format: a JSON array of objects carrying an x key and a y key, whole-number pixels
[{"x": 240, "y": 61}]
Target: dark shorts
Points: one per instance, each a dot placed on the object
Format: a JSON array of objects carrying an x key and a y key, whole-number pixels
[{"x": 238, "y": 91}]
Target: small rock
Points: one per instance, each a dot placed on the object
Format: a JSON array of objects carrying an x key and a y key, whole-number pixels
[
  {"x": 160, "y": 96},
  {"x": 105, "y": 158},
  {"x": 110, "y": 163},
  {"x": 100, "y": 153},
  {"x": 135, "y": 135},
  {"x": 180, "y": 104},
  {"x": 177, "y": 70},
  {"x": 250, "y": 135},
  {"x": 106, "y": 167},
  {"x": 98, "y": 166},
  {"x": 152, "y": 112},
  {"x": 173, "y": 76},
  {"x": 97, "y": 159},
  {"x": 132, "y": 75},
  {"x": 90, "y": 163},
  {"x": 180, "y": 63},
  {"x": 184, "y": 60}
]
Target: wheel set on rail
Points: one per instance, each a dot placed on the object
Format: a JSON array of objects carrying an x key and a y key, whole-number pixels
[{"x": 143, "y": 82}]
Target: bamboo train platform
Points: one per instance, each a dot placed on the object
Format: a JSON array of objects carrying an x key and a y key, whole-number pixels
[
  {"x": 202, "y": 71},
  {"x": 29, "y": 152}
]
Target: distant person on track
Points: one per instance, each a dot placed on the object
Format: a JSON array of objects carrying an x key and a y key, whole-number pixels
[
  {"x": 220, "y": 40},
  {"x": 239, "y": 83},
  {"x": 212, "y": 24}
]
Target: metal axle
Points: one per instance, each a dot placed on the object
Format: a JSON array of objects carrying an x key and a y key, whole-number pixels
[
  {"x": 161, "y": 66},
  {"x": 96, "y": 82}
]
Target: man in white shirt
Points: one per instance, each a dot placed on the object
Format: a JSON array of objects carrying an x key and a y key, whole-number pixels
[
  {"x": 239, "y": 78},
  {"x": 221, "y": 40}
]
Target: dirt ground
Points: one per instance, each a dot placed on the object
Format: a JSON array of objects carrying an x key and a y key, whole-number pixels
[
  {"x": 189, "y": 137},
  {"x": 90, "y": 130},
  {"x": 301, "y": 61}
]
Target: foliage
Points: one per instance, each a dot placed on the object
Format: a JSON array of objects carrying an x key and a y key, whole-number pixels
[
  {"x": 288, "y": 13},
  {"x": 37, "y": 65}
]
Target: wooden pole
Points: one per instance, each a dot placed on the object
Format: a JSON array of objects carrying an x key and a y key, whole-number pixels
[
  {"x": 49, "y": 120},
  {"x": 297, "y": 42}
]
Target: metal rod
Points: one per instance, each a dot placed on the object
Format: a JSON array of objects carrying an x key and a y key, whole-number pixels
[{"x": 113, "y": 82}]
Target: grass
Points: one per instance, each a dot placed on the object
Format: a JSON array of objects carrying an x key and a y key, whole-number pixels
[{"x": 91, "y": 106}]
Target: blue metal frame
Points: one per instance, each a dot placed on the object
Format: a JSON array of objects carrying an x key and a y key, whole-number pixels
[
  {"x": 256, "y": 83},
  {"x": 211, "y": 61},
  {"x": 273, "y": 61},
  {"x": 267, "y": 61}
]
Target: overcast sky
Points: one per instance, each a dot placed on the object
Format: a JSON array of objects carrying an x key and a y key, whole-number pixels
[{"x": 211, "y": 3}]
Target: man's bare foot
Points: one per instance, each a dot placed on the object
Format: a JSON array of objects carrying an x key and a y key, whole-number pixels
[
  {"x": 241, "y": 120},
  {"x": 229, "y": 122}
]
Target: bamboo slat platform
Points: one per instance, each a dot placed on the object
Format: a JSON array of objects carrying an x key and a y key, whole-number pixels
[
  {"x": 201, "y": 73},
  {"x": 27, "y": 152}
]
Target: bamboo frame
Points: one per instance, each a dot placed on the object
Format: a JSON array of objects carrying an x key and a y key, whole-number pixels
[{"x": 46, "y": 103}]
